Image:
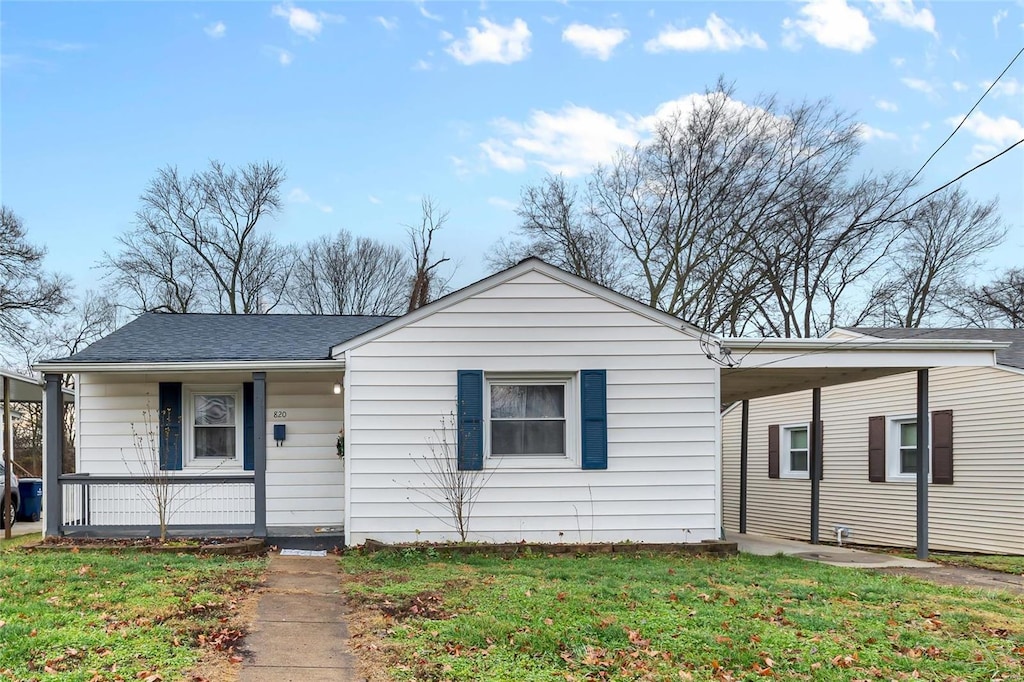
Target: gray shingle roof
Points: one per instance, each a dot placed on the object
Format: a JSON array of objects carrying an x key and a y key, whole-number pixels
[
  {"x": 1011, "y": 357},
  {"x": 168, "y": 337}
]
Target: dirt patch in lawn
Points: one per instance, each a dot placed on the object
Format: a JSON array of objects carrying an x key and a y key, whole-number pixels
[{"x": 222, "y": 653}]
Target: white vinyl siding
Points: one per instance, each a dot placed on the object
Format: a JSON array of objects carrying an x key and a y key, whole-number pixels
[
  {"x": 661, "y": 482},
  {"x": 983, "y": 511},
  {"x": 305, "y": 477}
]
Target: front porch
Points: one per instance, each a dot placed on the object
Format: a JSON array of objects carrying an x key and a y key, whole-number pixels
[{"x": 145, "y": 471}]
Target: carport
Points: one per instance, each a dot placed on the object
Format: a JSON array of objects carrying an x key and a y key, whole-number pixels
[
  {"x": 755, "y": 368},
  {"x": 15, "y": 388}
]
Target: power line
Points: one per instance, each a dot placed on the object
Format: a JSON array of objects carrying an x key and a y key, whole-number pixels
[{"x": 899, "y": 194}]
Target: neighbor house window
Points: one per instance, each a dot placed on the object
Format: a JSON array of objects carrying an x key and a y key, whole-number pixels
[
  {"x": 901, "y": 453},
  {"x": 216, "y": 425},
  {"x": 529, "y": 418},
  {"x": 795, "y": 455}
]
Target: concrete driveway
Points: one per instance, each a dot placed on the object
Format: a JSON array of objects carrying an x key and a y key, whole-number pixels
[{"x": 826, "y": 554}]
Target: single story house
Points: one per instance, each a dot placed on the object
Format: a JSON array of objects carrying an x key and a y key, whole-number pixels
[
  {"x": 588, "y": 416},
  {"x": 976, "y": 429}
]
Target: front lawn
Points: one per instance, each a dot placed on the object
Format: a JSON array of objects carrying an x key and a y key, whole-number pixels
[
  {"x": 670, "y": 618},
  {"x": 122, "y": 615}
]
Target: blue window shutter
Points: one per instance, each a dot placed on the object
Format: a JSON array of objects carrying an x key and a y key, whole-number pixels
[
  {"x": 248, "y": 432},
  {"x": 170, "y": 426},
  {"x": 471, "y": 420},
  {"x": 594, "y": 417}
]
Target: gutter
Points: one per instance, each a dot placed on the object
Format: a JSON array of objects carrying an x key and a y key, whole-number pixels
[
  {"x": 857, "y": 344},
  {"x": 64, "y": 367}
]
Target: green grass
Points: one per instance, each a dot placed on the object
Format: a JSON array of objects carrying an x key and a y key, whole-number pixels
[
  {"x": 102, "y": 615},
  {"x": 670, "y": 618}
]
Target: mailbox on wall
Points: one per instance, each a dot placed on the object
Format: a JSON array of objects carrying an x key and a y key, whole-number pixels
[{"x": 279, "y": 434}]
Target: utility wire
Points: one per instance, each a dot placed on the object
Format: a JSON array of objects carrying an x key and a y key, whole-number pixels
[{"x": 888, "y": 218}]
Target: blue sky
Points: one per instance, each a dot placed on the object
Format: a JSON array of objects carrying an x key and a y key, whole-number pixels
[{"x": 371, "y": 105}]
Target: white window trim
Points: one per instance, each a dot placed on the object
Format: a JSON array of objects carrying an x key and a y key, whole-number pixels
[
  {"x": 572, "y": 457},
  {"x": 892, "y": 449},
  {"x": 189, "y": 428},
  {"x": 784, "y": 459}
]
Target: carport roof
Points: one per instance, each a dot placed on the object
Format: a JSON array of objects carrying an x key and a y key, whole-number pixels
[
  {"x": 27, "y": 389},
  {"x": 763, "y": 367}
]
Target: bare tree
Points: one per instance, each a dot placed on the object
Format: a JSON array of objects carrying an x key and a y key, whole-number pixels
[
  {"x": 344, "y": 275},
  {"x": 558, "y": 230},
  {"x": 998, "y": 304},
  {"x": 426, "y": 285},
  {"x": 27, "y": 291},
  {"x": 453, "y": 489},
  {"x": 942, "y": 244},
  {"x": 195, "y": 244}
]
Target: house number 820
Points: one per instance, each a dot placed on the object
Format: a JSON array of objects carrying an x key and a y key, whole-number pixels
[{"x": 280, "y": 414}]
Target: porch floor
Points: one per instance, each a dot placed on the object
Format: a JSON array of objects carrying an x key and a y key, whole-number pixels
[{"x": 306, "y": 537}]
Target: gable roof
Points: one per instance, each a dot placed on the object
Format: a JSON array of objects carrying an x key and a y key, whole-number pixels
[
  {"x": 1013, "y": 356},
  {"x": 201, "y": 337},
  {"x": 531, "y": 264}
]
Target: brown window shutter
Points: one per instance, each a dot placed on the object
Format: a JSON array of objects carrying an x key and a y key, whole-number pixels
[
  {"x": 876, "y": 449},
  {"x": 773, "y": 451},
  {"x": 942, "y": 447}
]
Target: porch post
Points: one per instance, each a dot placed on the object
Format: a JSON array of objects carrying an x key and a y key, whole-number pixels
[
  {"x": 922, "y": 463},
  {"x": 744, "y": 440},
  {"x": 53, "y": 452},
  {"x": 814, "y": 466},
  {"x": 8, "y": 457},
  {"x": 259, "y": 459}
]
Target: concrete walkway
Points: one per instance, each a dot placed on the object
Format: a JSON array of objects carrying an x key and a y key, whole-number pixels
[
  {"x": 826, "y": 554},
  {"x": 300, "y": 632}
]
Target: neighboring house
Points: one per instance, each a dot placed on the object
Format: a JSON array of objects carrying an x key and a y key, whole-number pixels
[
  {"x": 976, "y": 491},
  {"x": 592, "y": 417}
]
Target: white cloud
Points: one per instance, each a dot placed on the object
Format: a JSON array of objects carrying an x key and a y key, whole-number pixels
[
  {"x": 886, "y": 105},
  {"x": 919, "y": 84},
  {"x": 283, "y": 56},
  {"x": 492, "y": 42},
  {"x": 502, "y": 156},
  {"x": 303, "y": 22},
  {"x": 869, "y": 133},
  {"x": 375, "y": 200},
  {"x": 426, "y": 14},
  {"x": 997, "y": 131},
  {"x": 902, "y": 12},
  {"x": 593, "y": 41},
  {"x": 1006, "y": 87},
  {"x": 898, "y": 62},
  {"x": 216, "y": 30},
  {"x": 60, "y": 46},
  {"x": 574, "y": 139},
  {"x": 422, "y": 65},
  {"x": 503, "y": 204},
  {"x": 444, "y": 36},
  {"x": 954, "y": 54},
  {"x": 301, "y": 196},
  {"x": 831, "y": 23},
  {"x": 388, "y": 24},
  {"x": 959, "y": 86},
  {"x": 717, "y": 35},
  {"x": 997, "y": 18},
  {"x": 980, "y": 152}
]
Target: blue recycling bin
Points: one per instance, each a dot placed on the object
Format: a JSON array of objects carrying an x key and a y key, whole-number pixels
[{"x": 31, "y": 492}]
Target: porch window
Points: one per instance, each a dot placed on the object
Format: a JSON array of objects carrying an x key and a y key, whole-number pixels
[
  {"x": 527, "y": 418},
  {"x": 795, "y": 454},
  {"x": 216, "y": 425}
]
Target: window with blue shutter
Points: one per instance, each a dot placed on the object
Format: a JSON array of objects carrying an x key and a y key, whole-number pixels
[
  {"x": 248, "y": 427},
  {"x": 594, "y": 418},
  {"x": 471, "y": 419},
  {"x": 170, "y": 426}
]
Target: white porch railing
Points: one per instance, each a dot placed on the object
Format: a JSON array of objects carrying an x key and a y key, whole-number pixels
[{"x": 130, "y": 502}]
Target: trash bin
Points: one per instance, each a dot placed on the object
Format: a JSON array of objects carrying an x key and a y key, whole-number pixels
[{"x": 31, "y": 492}]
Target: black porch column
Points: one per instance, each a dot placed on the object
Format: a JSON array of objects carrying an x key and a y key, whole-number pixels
[
  {"x": 922, "y": 463},
  {"x": 814, "y": 465},
  {"x": 259, "y": 455},
  {"x": 744, "y": 440},
  {"x": 53, "y": 452}
]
